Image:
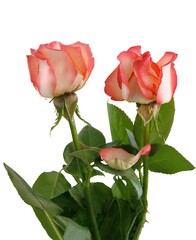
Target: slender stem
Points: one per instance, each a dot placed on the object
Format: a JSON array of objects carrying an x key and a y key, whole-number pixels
[
  {"x": 142, "y": 216},
  {"x": 86, "y": 183},
  {"x": 74, "y": 134},
  {"x": 96, "y": 233}
]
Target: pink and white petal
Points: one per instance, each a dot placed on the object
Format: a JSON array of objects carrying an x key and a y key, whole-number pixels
[
  {"x": 112, "y": 88},
  {"x": 125, "y": 92},
  {"x": 46, "y": 79},
  {"x": 144, "y": 151},
  {"x": 33, "y": 65},
  {"x": 146, "y": 79},
  {"x": 118, "y": 158},
  {"x": 87, "y": 56},
  {"x": 168, "y": 84},
  {"x": 135, "y": 93},
  {"x": 167, "y": 58},
  {"x": 135, "y": 49},
  {"x": 62, "y": 68},
  {"x": 75, "y": 55}
]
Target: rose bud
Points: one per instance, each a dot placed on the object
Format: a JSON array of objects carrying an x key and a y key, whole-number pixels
[
  {"x": 138, "y": 79},
  {"x": 56, "y": 69}
]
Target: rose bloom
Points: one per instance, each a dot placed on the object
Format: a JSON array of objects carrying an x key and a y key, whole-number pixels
[
  {"x": 56, "y": 68},
  {"x": 138, "y": 79}
]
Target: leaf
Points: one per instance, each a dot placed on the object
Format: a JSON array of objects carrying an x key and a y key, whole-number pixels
[
  {"x": 124, "y": 189},
  {"x": 77, "y": 193},
  {"x": 46, "y": 208},
  {"x": 138, "y": 130},
  {"x": 119, "y": 122},
  {"x": 91, "y": 137},
  {"x": 73, "y": 231},
  {"x": 47, "y": 222},
  {"x": 101, "y": 196},
  {"x": 118, "y": 221},
  {"x": 168, "y": 160},
  {"x": 87, "y": 155},
  {"x": 129, "y": 174},
  {"x": 29, "y": 196},
  {"x": 161, "y": 125},
  {"x": 51, "y": 184},
  {"x": 72, "y": 209}
]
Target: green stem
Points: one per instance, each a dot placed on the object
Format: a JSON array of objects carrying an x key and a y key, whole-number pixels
[
  {"x": 142, "y": 216},
  {"x": 86, "y": 184},
  {"x": 96, "y": 233}
]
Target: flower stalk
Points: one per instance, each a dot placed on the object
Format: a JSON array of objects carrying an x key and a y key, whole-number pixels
[
  {"x": 86, "y": 182},
  {"x": 142, "y": 216}
]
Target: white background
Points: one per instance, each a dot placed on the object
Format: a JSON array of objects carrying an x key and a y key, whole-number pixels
[{"x": 109, "y": 27}]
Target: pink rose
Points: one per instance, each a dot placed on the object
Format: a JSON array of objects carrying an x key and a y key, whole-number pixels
[
  {"x": 56, "y": 68},
  {"x": 118, "y": 158},
  {"x": 138, "y": 79}
]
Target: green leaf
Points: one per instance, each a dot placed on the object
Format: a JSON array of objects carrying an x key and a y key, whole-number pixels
[
  {"x": 47, "y": 222},
  {"x": 73, "y": 231},
  {"x": 168, "y": 160},
  {"x": 91, "y": 137},
  {"x": 51, "y": 184},
  {"x": 138, "y": 130},
  {"x": 124, "y": 189},
  {"x": 31, "y": 197},
  {"x": 129, "y": 174},
  {"x": 119, "y": 122},
  {"x": 161, "y": 125},
  {"x": 72, "y": 209},
  {"x": 101, "y": 196},
  {"x": 42, "y": 206},
  {"x": 77, "y": 193},
  {"x": 118, "y": 221},
  {"x": 87, "y": 155}
]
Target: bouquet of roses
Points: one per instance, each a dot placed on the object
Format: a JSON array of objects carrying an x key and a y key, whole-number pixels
[{"x": 85, "y": 209}]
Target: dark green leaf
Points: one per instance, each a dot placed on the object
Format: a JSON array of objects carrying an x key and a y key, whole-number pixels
[
  {"x": 161, "y": 125},
  {"x": 101, "y": 196},
  {"x": 52, "y": 229},
  {"x": 87, "y": 155},
  {"x": 77, "y": 193},
  {"x": 119, "y": 122},
  {"x": 118, "y": 221},
  {"x": 29, "y": 196},
  {"x": 72, "y": 209},
  {"x": 91, "y": 137},
  {"x": 51, "y": 184},
  {"x": 129, "y": 174},
  {"x": 138, "y": 130},
  {"x": 168, "y": 160},
  {"x": 73, "y": 231},
  {"x": 124, "y": 189},
  {"x": 66, "y": 153},
  {"x": 44, "y": 208}
]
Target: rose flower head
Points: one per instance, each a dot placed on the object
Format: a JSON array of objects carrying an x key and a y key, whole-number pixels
[
  {"x": 138, "y": 79},
  {"x": 56, "y": 69}
]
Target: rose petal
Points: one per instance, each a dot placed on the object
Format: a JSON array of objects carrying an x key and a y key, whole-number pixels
[
  {"x": 168, "y": 84},
  {"x": 147, "y": 80},
  {"x": 63, "y": 70},
  {"x": 112, "y": 88},
  {"x": 118, "y": 158},
  {"x": 87, "y": 56},
  {"x": 167, "y": 58},
  {"x": 33, "y": 65}
]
